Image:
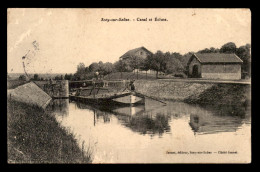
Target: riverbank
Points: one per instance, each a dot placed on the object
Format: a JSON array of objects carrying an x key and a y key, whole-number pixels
[
  {"x": 34, "y": 136},
  {"x": 228, "y": 94},
  {"x": 196, "y": 92}
]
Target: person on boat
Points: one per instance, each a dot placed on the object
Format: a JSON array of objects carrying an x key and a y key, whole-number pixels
[
  {"x": 132, "y": 86},
  {"x": 127, "y": 83},
  {"x": 96, "y": 75}
]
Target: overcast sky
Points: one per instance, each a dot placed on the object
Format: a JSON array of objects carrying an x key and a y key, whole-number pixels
[{"x": 67, "y": 37}]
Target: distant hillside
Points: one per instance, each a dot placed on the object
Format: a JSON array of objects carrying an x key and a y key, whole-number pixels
[{"x": 41, "y": 75}]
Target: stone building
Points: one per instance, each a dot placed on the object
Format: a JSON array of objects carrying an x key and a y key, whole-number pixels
[
  {"x": 214, "y": 66},
  {"x": 138, "y": 52}
]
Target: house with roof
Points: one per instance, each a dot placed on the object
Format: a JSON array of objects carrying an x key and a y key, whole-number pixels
[
  {"x": 214, "y": 66},
  {"x": 138, "y": 52}
]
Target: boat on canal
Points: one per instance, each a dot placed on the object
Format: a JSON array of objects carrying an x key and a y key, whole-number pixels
[{"x": 103, "y": 96}]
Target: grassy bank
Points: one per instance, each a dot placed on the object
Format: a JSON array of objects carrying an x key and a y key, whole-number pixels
[
  {"x": 229, "y": 94},
  {"x": 34, "y": 136}
]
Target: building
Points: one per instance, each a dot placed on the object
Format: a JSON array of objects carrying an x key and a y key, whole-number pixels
[
  {"x": 137, "y": 52},
  {"x": 214, "y": 66}
]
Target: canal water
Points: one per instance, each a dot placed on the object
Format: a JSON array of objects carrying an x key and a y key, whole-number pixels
[{"x": 155, "y": 133}]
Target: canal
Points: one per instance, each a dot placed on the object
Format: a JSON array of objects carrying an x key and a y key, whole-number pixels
[{"x": 154, "y": 133}]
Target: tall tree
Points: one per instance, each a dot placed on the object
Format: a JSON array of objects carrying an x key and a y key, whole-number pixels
[
  {"x": 145, "y": 65},
  {"x": 36, "y": 77},
  {"x": 94, "y": 67},
  {"x": 209, "y": 50},
  {"x": 80, "y": 74},
  {"x": 157, "y": 62},
  {"x": 122, "y": 66},
  {"x": 229, "y": 47},
  {"x": 244, "y": 53},
  {"x": 107, "y": 68},
  {"x": 135, "y": 63}
]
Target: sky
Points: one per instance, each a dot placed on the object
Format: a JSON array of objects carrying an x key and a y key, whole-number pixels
[{"x": 66, "y": 37}]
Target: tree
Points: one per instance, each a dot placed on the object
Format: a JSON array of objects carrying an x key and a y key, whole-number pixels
[
  {"x": 57, "y": 77},
  {"x": 93, "y": 67},
  {"x": 66, "y": 77},
  {"x": 173, "y": 65},
  {"x": 122, "y": 66},
  {"x": 80, "y": 74},
  {"x": 36, "y": 77},
  {"x": 228, "y": 48},
  {"x": 145, "y": 65},
  {"x": 135, "y": 62},
  {"x": 244, "y": 53},
  {"x": 119, "y": 66},
  {"x": 22, "y": 77},
  {"x": 157, "y": 62},
  {"x": 87, "y": 70},
  {"x": 107, "y": 68}
]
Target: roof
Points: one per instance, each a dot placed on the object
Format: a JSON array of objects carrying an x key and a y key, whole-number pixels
[
  {"x": 217, "y": 58},
  {"x": 132, "y": 52}
]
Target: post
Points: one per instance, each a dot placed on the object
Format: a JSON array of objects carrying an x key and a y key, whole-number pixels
[
  {"x": 82, "y": 150},
  {"x": 66, "y": 88},
  {"x": 94, "y": 88}
]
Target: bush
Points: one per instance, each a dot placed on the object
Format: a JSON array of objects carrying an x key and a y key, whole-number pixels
[{"x": 180, "y": 75}]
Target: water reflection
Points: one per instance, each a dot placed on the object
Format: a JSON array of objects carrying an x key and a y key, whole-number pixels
[
  {"x": 134, "y": 117},
  {"x": 147, "y": 124},
  {"x": 59, "y": 107},
  {"x": 218, "y": 118},
  {"x": 145, "y": 133},
  {"x": 154, "y": 119}
]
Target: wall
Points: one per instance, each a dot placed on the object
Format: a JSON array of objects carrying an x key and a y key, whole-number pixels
[
  {"x": 31, "y": 94},
  {"x": 228, "y": 76},
  {"x": 221, "y": 68},
  {"x": 170, "y": 90},
  {"x": 58, "y": 89},
  {"x": 221, "y": 71},
  {"x": 141, "y": 53},
  {"x": 193, "y": 62},
  {"x": 148, "y": 71}
]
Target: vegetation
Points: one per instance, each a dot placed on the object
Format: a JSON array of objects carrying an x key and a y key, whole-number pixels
[
  {"x": 22, "y": 77},
  {"x": 34, "y": 136},
  {"x": 168, "y": 63}
]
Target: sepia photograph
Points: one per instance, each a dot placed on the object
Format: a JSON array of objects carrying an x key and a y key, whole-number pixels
[{"x": 128, "y": 85}]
